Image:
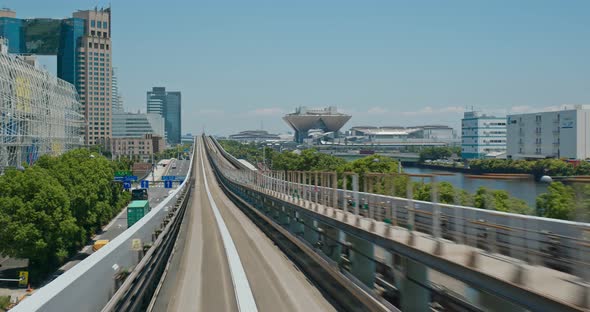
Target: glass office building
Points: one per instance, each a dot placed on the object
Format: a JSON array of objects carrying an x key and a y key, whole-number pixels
[
  {"x": 11, "y": 28},
  {"x": 168, "y": 105},
  {"x": 82, "y": 45}
]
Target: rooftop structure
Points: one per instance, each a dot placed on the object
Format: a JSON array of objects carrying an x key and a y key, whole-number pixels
[
  {"x": 304, "y": 119},
  {"x": 435, "y": 133},
  {"x": 39, "y": 113},
  {"x": 254, "y": 136}
]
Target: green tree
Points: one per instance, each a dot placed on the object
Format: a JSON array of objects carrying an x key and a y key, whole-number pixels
[
  {"x": 557, "y": 203},
  {"x": 433, "y": 153},
  {"x": 35, "y": 219}
]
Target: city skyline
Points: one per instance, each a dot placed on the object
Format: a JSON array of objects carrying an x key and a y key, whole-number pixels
[{"x": 384, "y": 63}]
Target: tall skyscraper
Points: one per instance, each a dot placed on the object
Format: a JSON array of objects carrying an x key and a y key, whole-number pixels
[
  {"x": 168, "y": 105},
  {"x": 95, "y": 69},
  {"x": 83, "y": 48},
  {"x": 172, "y": 119}
]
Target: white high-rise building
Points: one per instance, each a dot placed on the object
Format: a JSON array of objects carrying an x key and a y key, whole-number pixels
[
  {"x": 556, "y": 134},
  {"x": 482, "y": 136}
]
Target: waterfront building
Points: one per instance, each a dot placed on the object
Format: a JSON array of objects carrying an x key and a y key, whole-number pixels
[
  {"x": 482, "y": 136},
  {"x": 168, "y": 105},
  {"x": 555, "y": 134},
  {"x": 398, "y": 134},
  {"x": 39, "y": 113},
  {"x": 83, "y": 48}
]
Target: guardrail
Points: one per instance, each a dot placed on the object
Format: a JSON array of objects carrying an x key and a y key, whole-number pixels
[
  {"x": 90, "y": 284},
  {"x": 558, "y": 244},
  {"x": 491, "y": 232}
]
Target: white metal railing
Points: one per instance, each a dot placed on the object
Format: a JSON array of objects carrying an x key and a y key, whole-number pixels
[{"x": 559, "y": 244}]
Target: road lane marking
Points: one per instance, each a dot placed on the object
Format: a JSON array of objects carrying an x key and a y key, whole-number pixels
[{"x": 244, "y": 297}]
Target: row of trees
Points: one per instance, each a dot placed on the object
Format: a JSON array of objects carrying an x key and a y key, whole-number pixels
[
  {"x": 438, "y": 152},
  {"x": 48, "y": 211},
  {"x": 173, "y": 152},
  {"x": 551, "y": 167},
  {"x": 560, "y": 202}
]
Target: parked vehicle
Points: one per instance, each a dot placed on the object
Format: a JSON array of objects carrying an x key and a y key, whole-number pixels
[
  {"x": 136, "y": 210},
  {"x": 99, "y": 244},
  {"x": 139, "y": 194}
]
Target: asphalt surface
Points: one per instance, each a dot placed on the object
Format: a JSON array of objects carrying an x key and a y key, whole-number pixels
[{"x": 199, "y": 277}]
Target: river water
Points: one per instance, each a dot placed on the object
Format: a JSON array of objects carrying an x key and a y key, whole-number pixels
[{"x": 527, "y": 190}]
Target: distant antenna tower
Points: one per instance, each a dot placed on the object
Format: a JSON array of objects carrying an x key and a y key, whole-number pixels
[{"x": 261, "y": 125}]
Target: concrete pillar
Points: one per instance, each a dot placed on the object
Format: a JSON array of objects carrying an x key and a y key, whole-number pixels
[
  {"x": 410, "y": 196},
  {"x": 361, "y": 257},
  {"x": 436, "y": 230},
  {"x": 316, "y": 186},
  {"x": 283, "y": 215},
  {"x": 311, "y": 188},
  {"x": 344, "y": 192},
  {"x": 310, "y": 233},
  {"x": 355, "y": 193},
  {"x": 414, "y": 297},
  {"x": 332, "y": 247},
  {"x": 489, "y": 302},
  {"x": 295, "y": 226},
  {"x": 335, "y": 190}
]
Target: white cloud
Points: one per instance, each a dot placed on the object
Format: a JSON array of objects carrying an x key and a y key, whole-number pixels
[
  {"x": 210, "y": 112},
  {"x": 377, "y": 110},
  {"x": 429, "y": 110},
  {"x": 267, "y": 111}
]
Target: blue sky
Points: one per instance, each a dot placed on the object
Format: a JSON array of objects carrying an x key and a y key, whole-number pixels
[{"x": 240, "y": 63}]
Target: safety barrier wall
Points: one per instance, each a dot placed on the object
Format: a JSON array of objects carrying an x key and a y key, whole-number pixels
[
  {"x": 90, "y": 284},
  {"x": 297, "y": 207},
  {"x": 559, "y": 244}
]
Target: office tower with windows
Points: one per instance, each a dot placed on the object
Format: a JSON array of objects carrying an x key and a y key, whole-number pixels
[
  {"x": 82, "y": 45},
  {"x": 168, "y": 105},
  {"x": 94, "y": 74}
]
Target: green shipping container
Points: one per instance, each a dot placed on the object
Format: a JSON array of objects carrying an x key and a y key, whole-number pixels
[{"x": 136, "y": 210}]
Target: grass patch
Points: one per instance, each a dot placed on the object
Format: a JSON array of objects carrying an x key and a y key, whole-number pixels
[{"x": 4, "y": 302}]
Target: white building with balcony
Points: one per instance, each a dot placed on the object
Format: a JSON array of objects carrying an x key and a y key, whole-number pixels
[{"x": 555, "y": 134}]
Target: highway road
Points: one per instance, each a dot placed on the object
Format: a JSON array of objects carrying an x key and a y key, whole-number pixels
[
  {"x": 205, "y": 267},
  {"x": 119, "y": 224}
]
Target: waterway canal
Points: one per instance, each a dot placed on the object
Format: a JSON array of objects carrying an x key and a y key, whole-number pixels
[{"x": 525, "y": 189}]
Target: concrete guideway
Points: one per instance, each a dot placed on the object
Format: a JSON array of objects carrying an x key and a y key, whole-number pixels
[
  {"x": 243, "y": 292},
  {"x": 199, "y": 276}
]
